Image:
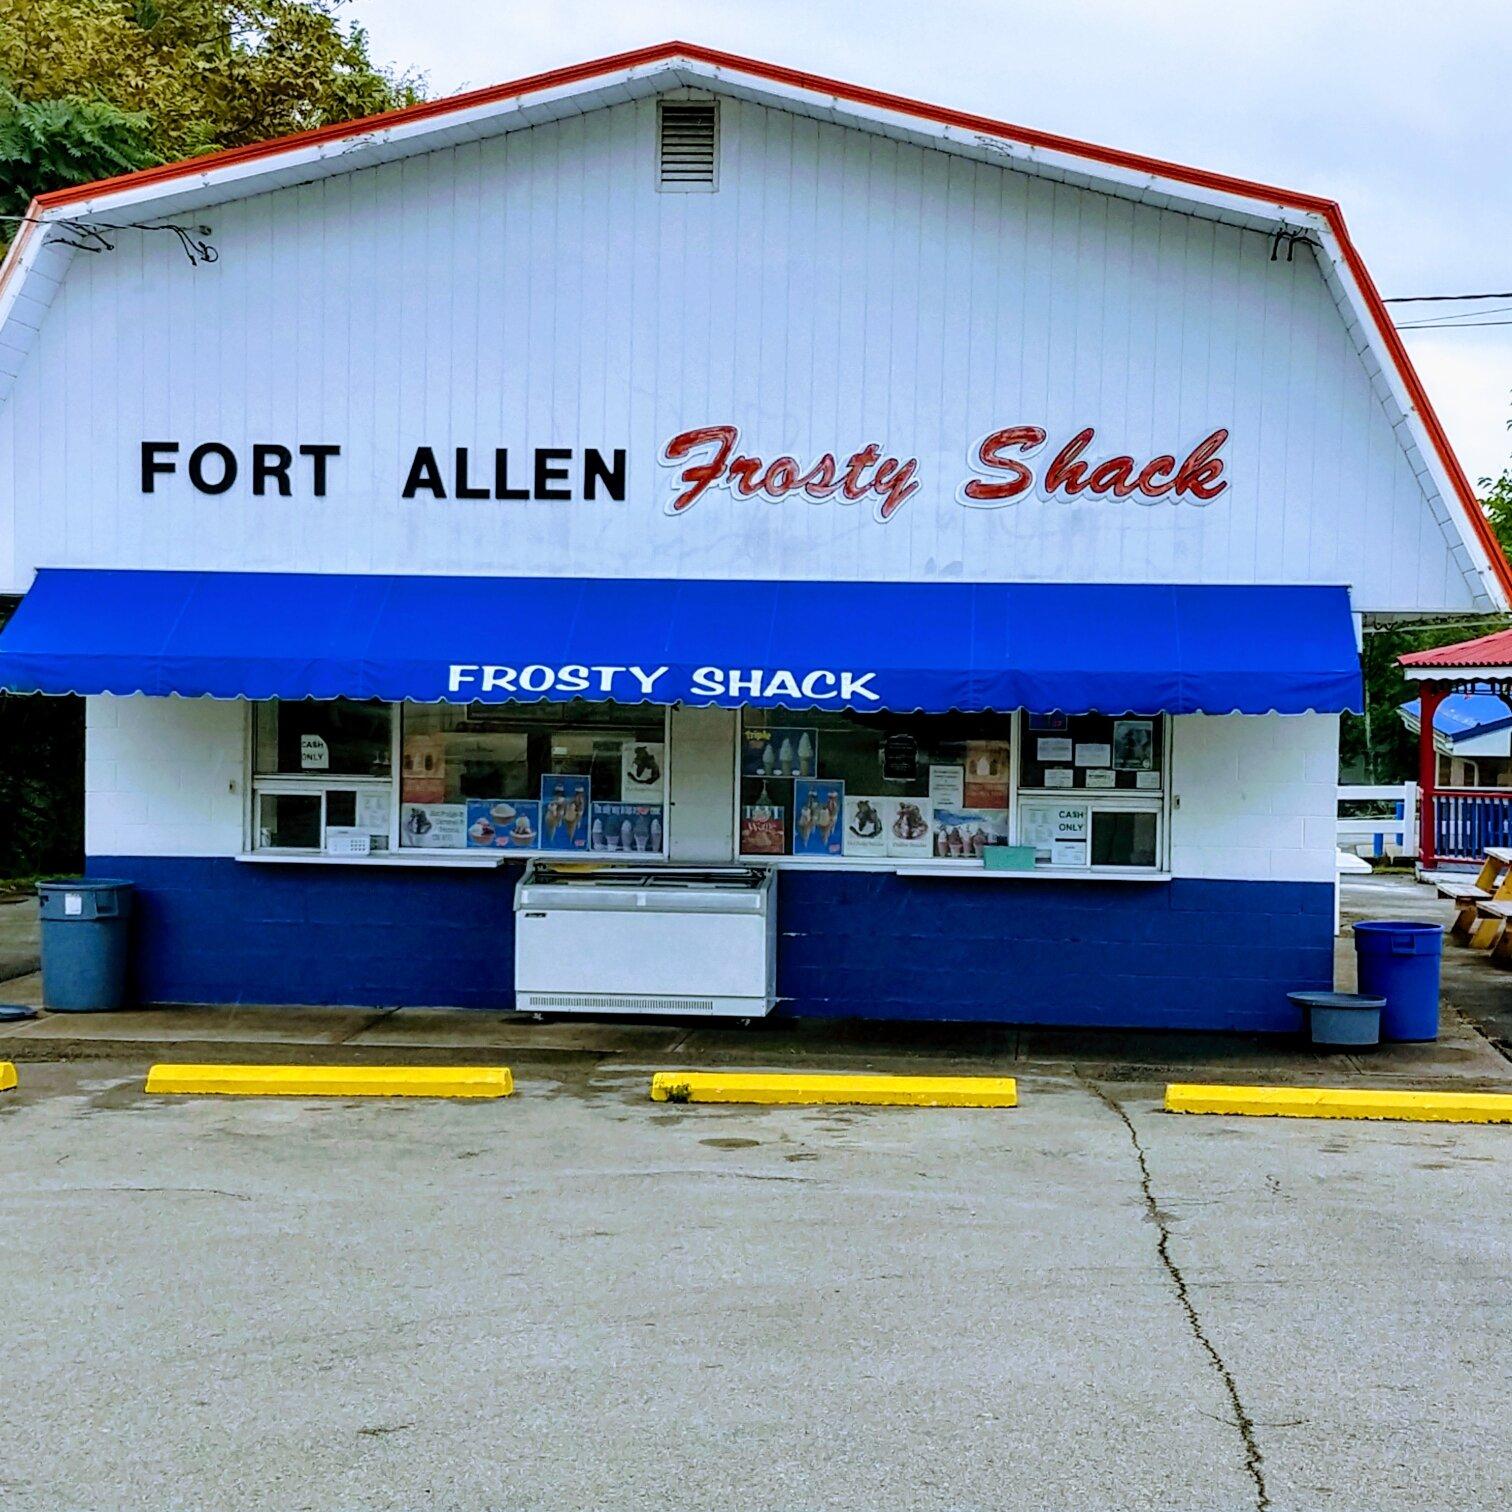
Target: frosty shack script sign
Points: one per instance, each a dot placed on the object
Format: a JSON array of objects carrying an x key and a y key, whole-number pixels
[{"x": 1004, "y": 467}]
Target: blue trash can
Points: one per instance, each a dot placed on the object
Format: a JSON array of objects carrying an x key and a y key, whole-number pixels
[
  {"x": 1400, "y": 962},
  {"x": 85, "y": 929}
]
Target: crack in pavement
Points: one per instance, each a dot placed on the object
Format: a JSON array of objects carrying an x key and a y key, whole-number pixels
[{"x": 1254, "y": 1461}]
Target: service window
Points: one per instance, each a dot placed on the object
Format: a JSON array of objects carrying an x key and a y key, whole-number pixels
[
  {"x": 1092, "y": 789},
  {"x": 322, "y": 775},
  {"x": 833, "y": 785},
  {"x": 572, "y": 777}
]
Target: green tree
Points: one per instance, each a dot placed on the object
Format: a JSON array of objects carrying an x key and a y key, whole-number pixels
[{"x": 90, "y": 88}]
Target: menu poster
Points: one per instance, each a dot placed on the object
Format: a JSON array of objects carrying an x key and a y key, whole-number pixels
[
  {"x": 779, "y": 751},
  {"x": 1059, "y": 777},
  {"x": 907, "y": 830},
  {"x": 564, "y": 811},
  {"x": 986, "y": 774},
  {"x": 761, "y": 830},
  {"x": 1093, "y": 755},
  {"x": 626, "y": 827},
  {"x": 1055, "y": 748},
  {"x": 866, "y": 821},
  {"x": 503, "y": 823},
  {"x": 968, "y": 833},
  {"x": 1057, "y": 831},
  {"x": 1101, "y": 777},
  {"x": 642, "y": 765},
  {"x": 818, "y": 828},
  {"x": 1134, "y": 745},
  {"x": 900, "y": 758},
  {"x": 947, "y": 787},
  {"x": 434, "y": 826}
]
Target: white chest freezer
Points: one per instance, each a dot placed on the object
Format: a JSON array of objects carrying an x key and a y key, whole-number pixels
[{"x": 653, "y": 940}]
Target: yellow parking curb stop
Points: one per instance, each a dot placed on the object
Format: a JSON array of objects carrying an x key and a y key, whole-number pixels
[
  {"x": 334, "y": 1081},
  {"x": 803, "y": 1087},
  {"x": 1340, "y": 1102},
  {"x": 7, "y": 1076}
]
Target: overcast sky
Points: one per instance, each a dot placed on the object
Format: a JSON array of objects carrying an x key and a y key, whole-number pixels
[{"x": 1396, "y": 108}]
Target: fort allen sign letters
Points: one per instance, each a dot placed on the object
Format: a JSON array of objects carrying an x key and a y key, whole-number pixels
[{"x": 1006, "y": 466}]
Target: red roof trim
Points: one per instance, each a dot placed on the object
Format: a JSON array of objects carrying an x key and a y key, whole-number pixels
[
  {"x": 1494, "y": 650},
  {"x": 880, "y": 100}
]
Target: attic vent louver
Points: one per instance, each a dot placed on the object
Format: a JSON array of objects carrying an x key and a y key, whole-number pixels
[{"x": 687, "y": 145}]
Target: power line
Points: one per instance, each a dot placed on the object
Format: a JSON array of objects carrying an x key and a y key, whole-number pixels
[
  {"x": 1442, "y": 298},
  {"x": 1476, "y": 325}
]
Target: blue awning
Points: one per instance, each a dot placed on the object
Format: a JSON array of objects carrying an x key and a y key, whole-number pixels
[{"x": 1071, "y": 647}]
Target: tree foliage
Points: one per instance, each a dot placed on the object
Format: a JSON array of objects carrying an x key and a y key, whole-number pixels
[{"x": 89, "y": 88}]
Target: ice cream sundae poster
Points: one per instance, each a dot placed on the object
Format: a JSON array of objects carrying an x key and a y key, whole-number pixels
[
  {"x": 866, "y": 822},
  {"x": 779, "y": 751},
  {"x": 565, "y": 813},
  {"x": 906, "y": 828},
  {"x": 433, "y": 826},
  {"x": 642, "y": 763},
  {"x": 818, "y": 818},
  {"x": 503, "y": 823},
  {"x": 626, "y": 827}
]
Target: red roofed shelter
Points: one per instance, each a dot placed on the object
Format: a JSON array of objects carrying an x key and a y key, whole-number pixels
[{"x": 1458, "y": 825}]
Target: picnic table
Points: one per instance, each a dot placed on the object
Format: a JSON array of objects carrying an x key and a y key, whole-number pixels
[{"x": 1484, "y": 905}]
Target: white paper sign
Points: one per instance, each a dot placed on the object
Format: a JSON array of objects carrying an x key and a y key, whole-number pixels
[
  {"x": 866, "y": 825},
  {"x": 314, "y": 754},
  {"x": 1147, "y": 779},
  {"x": 947, "y": 787},
  {"x": 1100, "y": 777},
  {"x": 643, "y": 764},
  {"x": 1057, "y": 831},
  {"x": 1053, "y": 748},
  {"x": 372, "y": 812},
  {"x": 1094, "y": 755},
  {"x": 1058, "y": 777},
  {"x": 434, "y": 826}
]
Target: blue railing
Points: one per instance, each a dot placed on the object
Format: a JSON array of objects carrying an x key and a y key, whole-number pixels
[{"x": 1464, "y": 824}]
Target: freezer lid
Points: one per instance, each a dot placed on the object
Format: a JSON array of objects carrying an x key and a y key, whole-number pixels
[{"x": 632, "y": 889}]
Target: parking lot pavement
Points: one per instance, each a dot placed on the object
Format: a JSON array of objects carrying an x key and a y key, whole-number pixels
[{"x": 578, "y": 1299}]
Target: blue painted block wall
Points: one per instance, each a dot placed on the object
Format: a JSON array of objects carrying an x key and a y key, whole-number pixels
[{"x": 1187, "y": 954}]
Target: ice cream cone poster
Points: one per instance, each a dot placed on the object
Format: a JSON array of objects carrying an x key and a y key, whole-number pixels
[
  {"x": 626, "y": 827},
  {"x": 986, "y": 774},
  {"x": 565, "y": 817},
  {"x": 642, "y": 763},
  {"x": 818, "y": 818},
  {"x": 866, "y": 821},
  {"x": 964, "y": 835},
  {"x": 779, "y": 751},
  {"x": 907, "y": 830}
]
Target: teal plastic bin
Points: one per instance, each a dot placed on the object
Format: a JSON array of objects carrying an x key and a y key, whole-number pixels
[
  {"x": 1400, "y": 962},
  {"x": 85, "y": 933}
]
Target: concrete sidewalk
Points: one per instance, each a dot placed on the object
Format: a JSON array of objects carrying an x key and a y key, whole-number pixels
[{"x": 1463, "y": 1056}]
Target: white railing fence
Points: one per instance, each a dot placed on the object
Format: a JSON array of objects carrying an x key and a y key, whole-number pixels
[{"x": 1393, "y": 834}]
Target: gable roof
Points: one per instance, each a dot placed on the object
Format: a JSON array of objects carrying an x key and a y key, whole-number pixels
[{"x": 36, "y": 264}]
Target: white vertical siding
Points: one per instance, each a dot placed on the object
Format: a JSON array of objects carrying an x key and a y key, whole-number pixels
[{"x": 839, "y": 288}]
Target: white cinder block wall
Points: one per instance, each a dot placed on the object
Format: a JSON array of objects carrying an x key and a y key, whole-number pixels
[
  {"x": 163, "y": 776},
  {"x": 1258, "y": 796}
]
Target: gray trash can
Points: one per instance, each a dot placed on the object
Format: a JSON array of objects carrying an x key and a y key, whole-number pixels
[{"x": 85, "y": 927}]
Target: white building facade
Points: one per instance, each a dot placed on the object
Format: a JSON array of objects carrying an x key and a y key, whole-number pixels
[{"x": 678, "y": 461}]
